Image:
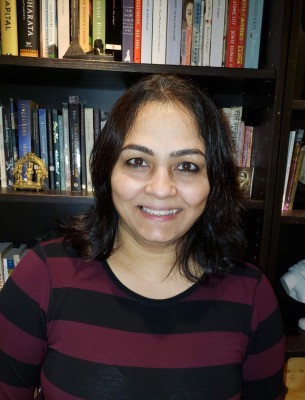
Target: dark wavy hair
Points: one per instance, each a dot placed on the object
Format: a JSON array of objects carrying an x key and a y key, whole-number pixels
[{"x": 216, "y": 239}]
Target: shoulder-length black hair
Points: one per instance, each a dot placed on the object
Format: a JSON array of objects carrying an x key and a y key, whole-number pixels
[{"x": 216, "y": 240}]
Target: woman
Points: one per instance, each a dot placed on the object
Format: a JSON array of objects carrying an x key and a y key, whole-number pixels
[{"x": 146, "y": 296}]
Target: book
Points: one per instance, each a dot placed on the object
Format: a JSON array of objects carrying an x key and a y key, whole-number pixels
[
  {"x": 173, "y": 33},
  {"x": 83, "y": 149},
  {"x": 137, "y": 31},
  {"x": 195, "y": 33},
  {"x": 61, "y": 152},
  {"x": 247, "y": 146},
  {"x": 186, "y": 32},
  {"x": 234, "y": 118},
  {"x": 84, "y": 13},
  {"x": 158, "y": 55},
  {"x": 298, "y": 143},
  {"x": 11, "y": 259},
  {"x": 245, "y": 179},
  {"x": 201, "y": 29},
  {"x": 9, "y": 27},
  {"x": 9, "y": 151},
  {"x": 56, "y": 150},
  {"x": 232, "y": 32},
  {"x": 75, "y": 152},
  {"x": 2, "y": 155},
  {"x": 99, "y": 21},
  {"x": 147, "y": 15},
  {"x": 253, "y": 33},
  {"x": 35, "y": 133},
  {"x": 207, "y": 32},
  {"x": 14, "y": 126},
  {"x": 89, "y": 135},
  {"x": 4, "y": 248},
  {"x": 48, "y": 29},
  {"x": 292, "y": 134},
  {"x": 114, "y": 29},
  {"x": 218, "y": 32},
  {"x": 28, "y": 19},
  {"x": 241, "y": 35},
  {"x": 63, "y": 27},
  {"x": 296, "y": 179},
  {"x": 96, "y": 122},
  {"x": 127, "y": 30},
  {"x": 43, "y": 140},
  {"x": 66, "y": 132},
  {"x": 51, "y": 171},
  {"x": 25, "y": 125}
]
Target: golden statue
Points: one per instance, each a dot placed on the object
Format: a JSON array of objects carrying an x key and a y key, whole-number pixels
[
  {"x": 34, "y": 175},
  {"x": 294, "y": 378}
]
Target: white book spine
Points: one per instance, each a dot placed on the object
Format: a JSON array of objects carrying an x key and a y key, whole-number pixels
[
  {"x": 147, "y": 19},
  {"x": 44, "y": 21},
  {"x": 52, "y": 28},
  {"x": 63, "y": 27},
  {"x": 218, "y": 25},
  {"x": 173, "y": 36},
  {"x": 288, "y": 162},
  {"x": 207, "y": 32},
  {"x": 89, "y": 134},
  {"x": 65, "y": 120},
  {"x": 159, "y": 32}
]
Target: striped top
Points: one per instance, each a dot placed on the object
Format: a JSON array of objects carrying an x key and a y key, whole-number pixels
[{"x": 72, "y": 326}]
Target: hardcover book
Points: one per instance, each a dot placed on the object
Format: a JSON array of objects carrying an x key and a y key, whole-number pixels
[
  {"x": 127, "y": 31},
  {"x": 173, "y": 35},
  {"x": 114, "y": 29},
  {"x": 253, "y": 33},
  {"x": 158, "y": 55},
  {"x": 28, "y": 18},
  {"x": 75, "y": 154},
  {"x": 63, "y": 23},
  {"x": 48, "y": 29},
  {"x": 43, "y": 139},
  {"x": 25, "y": 127},
  {"x": 147, "y": 16},
  {"x": 9, "y": 27},
  {"x": 99, "y": 21},
  {"x": 218, "y": 32}
]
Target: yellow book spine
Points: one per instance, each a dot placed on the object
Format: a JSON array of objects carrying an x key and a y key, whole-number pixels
[{"x": 9, "y": 31}]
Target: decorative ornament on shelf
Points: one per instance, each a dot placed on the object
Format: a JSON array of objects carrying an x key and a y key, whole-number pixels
[{"x": 30, "y": 172}]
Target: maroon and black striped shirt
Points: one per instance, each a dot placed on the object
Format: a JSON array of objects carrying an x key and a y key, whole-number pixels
[{"x": 70, "y": 326}]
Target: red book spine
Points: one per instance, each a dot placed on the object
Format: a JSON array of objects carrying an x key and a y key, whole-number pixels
[
  {"x": 137, "y": 31},
  {"x": 241, "y": 33},
  {"x": 232, "y": 34}
]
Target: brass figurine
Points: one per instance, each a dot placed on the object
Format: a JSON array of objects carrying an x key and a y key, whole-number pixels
[{"x": 34, "y": 174}]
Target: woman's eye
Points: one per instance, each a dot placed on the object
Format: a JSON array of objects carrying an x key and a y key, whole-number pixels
[
  {"x": 137, "y": 162},
  {"x": 187, "y": 167}
]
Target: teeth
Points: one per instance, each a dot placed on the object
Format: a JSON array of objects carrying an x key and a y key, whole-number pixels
[{"x": 159, "y": 213}]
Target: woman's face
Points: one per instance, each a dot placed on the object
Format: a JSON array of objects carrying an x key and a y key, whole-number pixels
[
  {"x": 295, "y": 374},
  {"x": 159, "y": 184}
]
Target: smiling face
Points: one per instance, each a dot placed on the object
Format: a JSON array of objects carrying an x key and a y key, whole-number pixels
[
  {"x": 295, "y": 374},
  {"x": 159, "y": 183}
]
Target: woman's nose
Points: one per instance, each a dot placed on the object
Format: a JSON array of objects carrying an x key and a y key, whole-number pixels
[{"x": 161, "y": 184}]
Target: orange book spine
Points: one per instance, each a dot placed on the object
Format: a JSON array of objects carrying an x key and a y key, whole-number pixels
[
  {"x": 232, "y": 33},
  {"x": 137, "y": 31},
  {"x": 241, "y": 34}
]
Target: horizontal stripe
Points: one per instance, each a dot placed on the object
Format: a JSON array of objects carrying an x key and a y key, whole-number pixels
[
  {"x": 143, "y": 350},
  {"x": 95, "y": 381},
  {"x": 17, "y": 373},
  {"x": 21, "y": 310},
  {"x": 32, "y": 353},
  {"x": 117, "y": 313},
  {"x": 7, "y": 392}
]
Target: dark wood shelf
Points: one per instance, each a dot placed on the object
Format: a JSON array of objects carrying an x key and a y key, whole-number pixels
[
  {"x": 298, "y": 105},
  {"x": 293, "y": 217}
]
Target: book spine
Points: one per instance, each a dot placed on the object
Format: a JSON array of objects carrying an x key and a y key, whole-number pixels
[
  {"x": 44, "y": 32},
  {"x": 241, "y": 34},
  {"x": 75, "y": 156},
  {"x": 50, "y": 150},
  {"x": 217, "y": 35},
  {"x": 14, "y": 126},
  {"x": 4, "y": 248},
  {"x": 63, "y": 22},
  {"x": 83, "y": 149},
  {"x": 253, "y": 33},
  {"x": 195, "y": 34},
  {"x": 235, "y": 121},
  {"x": 296, "y": 177},
  {"x": 173, "y": 34},
  {"x": 24, "y": 115},
  {"x": 61, "y": 152},
  {"x": 56, "y": 154},
  {"x": 186, "y": 43},
  {"x": 137, "y": 31},
  {"x": 2, "y": 156},
  {"x": 28, "y": 18},
  {"x": 233, "y": 15},
  {"x": 9, "y": 30},
  {"x": 201, "y": 29},
  {"x": 96, "y": 123},
  {"x": 292, "y": 135},
  {"x": 207, "y": 33},
  {"x": 65, "y": 117},
  {"x": 127, "y": 31},
  {"x": 8, "y": 146},
  {"x": 99, "y": 21},
  {"x": 84, "y": 8},
  {"x": 147, "y": 17},
  {"x": 43, "y": 139},
  {"x": 52, "y": 29},
  {"x": 89, "y": 135},
  {"x": 159, "y": 32},
  {"x": 35, "y": 132},
  {"x": 114, "y": 29}
]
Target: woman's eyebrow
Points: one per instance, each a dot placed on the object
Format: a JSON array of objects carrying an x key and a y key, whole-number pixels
[
  {"x": 142, "y": 149},
  {"x": 173, "y": 154}
]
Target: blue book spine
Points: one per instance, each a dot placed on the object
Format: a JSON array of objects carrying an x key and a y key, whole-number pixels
[
  {"x": 24, "y": 116},
  {"x": 196, "y": 30},
  {"x": 173, "y": 37},
  {"x": 253, "y": 33},
  {"x": 43, "y": 139},
  {"x": 127, "y": 31},
  {"x": 56, "y": 151},
  {"x": 61, "y": 153}
]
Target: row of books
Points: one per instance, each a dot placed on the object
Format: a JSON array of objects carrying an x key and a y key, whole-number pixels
[
  {"x": 63, "y": 138},
  {"x": 295, "y": 168},
  {"x": 219, "y": 33},
  {"x": 9, "y": 258}
]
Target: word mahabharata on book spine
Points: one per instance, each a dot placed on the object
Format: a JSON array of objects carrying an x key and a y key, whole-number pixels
[{"x": 28, "y": 17}]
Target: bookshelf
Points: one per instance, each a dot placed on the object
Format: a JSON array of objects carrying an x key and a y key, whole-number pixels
[
  {"x": 287, "y": 245},
  {"x": 26, "y": 216}
]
